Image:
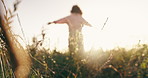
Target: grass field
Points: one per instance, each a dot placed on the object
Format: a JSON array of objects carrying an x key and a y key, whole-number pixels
[{"x": 115, "y": 63}]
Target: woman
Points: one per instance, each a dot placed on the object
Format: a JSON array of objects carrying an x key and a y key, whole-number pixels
[{"x": 75, "y": 21}]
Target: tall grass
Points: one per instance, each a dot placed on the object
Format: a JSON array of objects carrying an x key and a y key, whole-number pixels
[
  {"x": 15, "y": 61},
  {"x": 5, "y": 59},
  {"x": 115, "y": 63}
]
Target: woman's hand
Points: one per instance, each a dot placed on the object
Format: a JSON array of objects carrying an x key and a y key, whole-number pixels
[{"x": 49, "y": 23}]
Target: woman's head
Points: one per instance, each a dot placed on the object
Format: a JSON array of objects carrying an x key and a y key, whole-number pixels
[{"x": 76, "y": 9}]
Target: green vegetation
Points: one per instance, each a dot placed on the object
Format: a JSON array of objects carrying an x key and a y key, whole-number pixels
[{"x": 115, "y": 63}]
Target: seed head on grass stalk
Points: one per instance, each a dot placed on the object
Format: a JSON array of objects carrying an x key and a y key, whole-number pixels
[{"x": 19, "y": 58}]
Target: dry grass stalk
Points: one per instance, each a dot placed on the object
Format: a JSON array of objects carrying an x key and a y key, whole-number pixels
[{"x": 21, "y": 57}]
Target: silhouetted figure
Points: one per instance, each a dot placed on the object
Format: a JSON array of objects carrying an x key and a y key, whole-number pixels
[{"x": 75, "y": 21}]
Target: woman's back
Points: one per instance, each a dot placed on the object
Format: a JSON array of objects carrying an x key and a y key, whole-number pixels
[{"x": 75, "y": 22}]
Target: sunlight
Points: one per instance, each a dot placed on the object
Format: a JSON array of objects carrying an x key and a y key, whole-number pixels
[
  {"x": 93, "y": 38},
  {"x": 119, "y": 30},
  {"x": 36, "y": 26},
  {"x": 58, "y": 34},
  {"x": 59, "y": 37}
]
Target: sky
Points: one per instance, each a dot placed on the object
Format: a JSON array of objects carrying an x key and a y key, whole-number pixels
[{"x": 127, "y": 23}]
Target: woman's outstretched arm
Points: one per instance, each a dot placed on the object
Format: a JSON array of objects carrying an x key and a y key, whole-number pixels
[
  {"x": 86, "y": 23},
  {"x": 60, "y": 21}
]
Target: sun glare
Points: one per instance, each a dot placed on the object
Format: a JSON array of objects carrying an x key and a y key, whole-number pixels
[
  {"x": 93, "y": 38},
  {"x": 119, "y": 31}
]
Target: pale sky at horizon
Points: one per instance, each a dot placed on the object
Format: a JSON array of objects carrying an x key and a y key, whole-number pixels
[{"x": 126, "y": 25}]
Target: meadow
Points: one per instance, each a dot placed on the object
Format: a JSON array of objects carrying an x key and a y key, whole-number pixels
[
  {"x": 116, "y": 63},
  {"x": 45, "y": 63}
]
